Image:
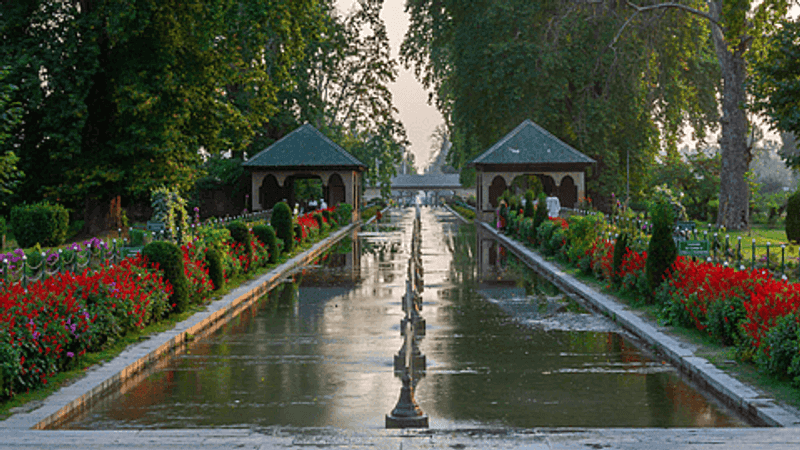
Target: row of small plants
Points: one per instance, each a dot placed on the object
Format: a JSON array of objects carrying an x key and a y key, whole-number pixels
[
  {"x": 48, "y": 325},
  {"x": 749, "y": 309}
]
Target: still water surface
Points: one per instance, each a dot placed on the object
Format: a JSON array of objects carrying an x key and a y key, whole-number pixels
[{"x": 504, "y": 349}]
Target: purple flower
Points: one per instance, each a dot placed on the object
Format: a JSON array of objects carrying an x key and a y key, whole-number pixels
[
  {"x": 36, "y": 335},
  {"x": 70, "y": 354}
]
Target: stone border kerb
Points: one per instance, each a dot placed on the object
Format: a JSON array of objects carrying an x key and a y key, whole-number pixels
[{"x": 83, "y": 393}]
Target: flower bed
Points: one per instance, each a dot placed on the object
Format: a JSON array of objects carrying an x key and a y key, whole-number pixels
[
  {"x": 46, "y": 326},
  {"x": 749, "y": 309}
]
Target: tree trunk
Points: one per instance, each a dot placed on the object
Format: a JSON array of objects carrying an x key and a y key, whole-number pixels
[{"x": 734, "y": 193}]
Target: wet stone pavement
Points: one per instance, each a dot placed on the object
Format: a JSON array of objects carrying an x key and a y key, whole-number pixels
[{"x": 510, "y": 364}]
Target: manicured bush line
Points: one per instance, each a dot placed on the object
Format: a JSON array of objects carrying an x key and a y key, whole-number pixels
[
  {"x": 266, "y": 234},
  {"x": 45, "y": 328},
  {"x": 169, "y": 259},
  {"x": 748, "y": 309},
  {"x": 42, "y": 223},
  {"x": 282, "y": 223},
  {"x": 241, "y": 234},
  {"x": 215, "y": 271},
  {"x": 661, "y": 250}
]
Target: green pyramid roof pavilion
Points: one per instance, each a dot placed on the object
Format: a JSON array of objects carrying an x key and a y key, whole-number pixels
[
  {"x": 530, "y": 144},
  {"x": 305, "y": 147}
]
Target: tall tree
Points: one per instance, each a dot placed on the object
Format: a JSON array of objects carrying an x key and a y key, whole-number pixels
[
  {"x": 776, "y": 87},
  {"x": 737, "y": 26},
  {"x": 119, "y": 96},
  {"x": 342, "y": 88},
  {"x": 10, "y": 115},
  {"x": 493, "y": 64}
]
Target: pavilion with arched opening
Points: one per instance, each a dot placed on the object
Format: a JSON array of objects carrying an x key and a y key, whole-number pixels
[
  {"x": 529, "y": 150},
  {"x": 302, "y": 154}
]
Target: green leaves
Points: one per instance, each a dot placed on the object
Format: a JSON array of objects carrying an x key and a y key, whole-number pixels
[{"x": 775, "y": 84}]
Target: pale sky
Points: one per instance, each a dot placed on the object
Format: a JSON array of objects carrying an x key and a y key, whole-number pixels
[{"x": 419, "y": 118}]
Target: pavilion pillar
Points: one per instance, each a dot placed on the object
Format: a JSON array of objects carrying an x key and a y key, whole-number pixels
[
  {"x": 256, "y": 179},
  {"x": 479, "y": 194}
]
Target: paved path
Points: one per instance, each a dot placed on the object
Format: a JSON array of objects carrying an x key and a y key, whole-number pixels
[{"x": 650, "y": 439}]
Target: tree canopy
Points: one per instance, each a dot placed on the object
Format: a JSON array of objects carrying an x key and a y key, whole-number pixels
[
  {"x": 118, "y": 96},
  {"x": 492, "y": 64},
  {"x": 775, "y": 84}
]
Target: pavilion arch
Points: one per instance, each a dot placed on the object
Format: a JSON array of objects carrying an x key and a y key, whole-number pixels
[
  {"x": 530, "y": 149},
  {"x": 496, "y": 190},
  {"x": 336, "y": 191},
  {"x": 305, "y": 153}
]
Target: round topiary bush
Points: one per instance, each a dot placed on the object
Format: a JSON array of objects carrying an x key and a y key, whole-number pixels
[
  {"x": 241, "y": 235},
  {"x": 318, "y": 218},
  {"x": 529, "y": 210},
  {"x": 793, "y": 217},
  {"x": 170, "y": 261},
  {"x": 266, "y": 234},
  {"x": 661, "y": 252},
  {"x": 282, "y": 223},
  {"x": 298, "y": 232},
  {"x": 540, "y": 215},
  {"x": 215, "y": 270}
]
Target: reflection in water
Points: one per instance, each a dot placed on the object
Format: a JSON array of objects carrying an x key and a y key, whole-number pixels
[{"x": 317, "y": 352}]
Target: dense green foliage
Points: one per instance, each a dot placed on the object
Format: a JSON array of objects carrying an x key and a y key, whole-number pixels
[
  {"x": 775, "y": 85},
  {"x": 661, "y": 251},
  {"x": 241, "y": 235},
  {"x": 266, "y": 234},
  {"x": 529, "y": 209},
  {"x": 281, "y": 221},
  {"x": 117, "y": 97},
  {"x": 169, "y": 208},
  {"x": 10, "y": 116},
  {"x": 793, "y": 217},
  {"x": 215, "y": 267},
  {"x": 540, "y": 215},
  {"x": 41, "y": 223},
  {"x": 492, "y": 64},
  {"x": 343, "y": 213},
  {"x": 169, "y": 258},
  {"x": 620, "y": 247}
]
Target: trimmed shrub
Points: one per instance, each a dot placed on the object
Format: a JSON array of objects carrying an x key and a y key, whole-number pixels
[
  {"x": 137, "y": 237},
  {"x": 540, "y": 215},
  {"x": 620, "y": 247},
  {"x": 343, "y": 213},
  {"x": 170, "y": 261},
  {"x": 241, "y": 235},
  {"x": 42, "y": 223},
  {"x": 215, "y": 270},
  {"x": 320, "y": 221},
  {"x": 282, "y": 223},
  {"x": 661, "y": 252},
  {"x": 298, "y": 232},
  {"x": 266, "y": 234},
  {"x": 793, "y": 217},
  {"x": 529, "y": 209},
  {"x": 326, "y": 214}
]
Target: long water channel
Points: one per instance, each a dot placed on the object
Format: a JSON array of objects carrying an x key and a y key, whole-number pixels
[{"x": 503, "y": 347}]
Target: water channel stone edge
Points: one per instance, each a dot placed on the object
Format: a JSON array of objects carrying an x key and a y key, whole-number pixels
[
  {"x": 133, "y": 362},
  {"x": 761, "y": 410},
  {"x": 16, "y": 433}
]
